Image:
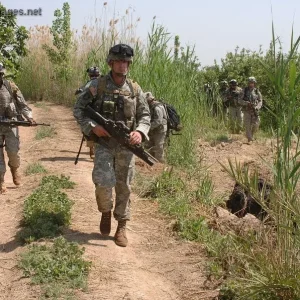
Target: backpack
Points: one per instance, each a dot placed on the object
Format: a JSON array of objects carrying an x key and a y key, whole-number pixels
[{"x": 173, "y": 117}]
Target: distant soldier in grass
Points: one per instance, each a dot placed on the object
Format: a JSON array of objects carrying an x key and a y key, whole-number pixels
[
  {"x": 117, "y": 98},
  {"x": 12, "y": 107},
  {"x": 158, "y": 129},
  {"x": 231, "y": 97},
  {"x": 251, "y": 101},
  {"x": 93, "y": 73},
  {"x": 222, "y": 92}
]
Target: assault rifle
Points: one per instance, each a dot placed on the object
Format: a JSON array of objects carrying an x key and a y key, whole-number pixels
[
  {"x": 8, "y": 122},
  {"x": 120, "y": 133}
]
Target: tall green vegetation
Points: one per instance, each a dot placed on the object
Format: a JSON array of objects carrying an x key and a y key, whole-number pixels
[
  {"x": 12, "y": 41},
  {"x": 59, "y": 56},
  {"x": 274, "y": 272}
]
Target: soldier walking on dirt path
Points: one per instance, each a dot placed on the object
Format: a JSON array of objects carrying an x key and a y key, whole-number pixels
[
  {"x": 251, "y": 100},
  {"x": 117, "y": 98},
  {"x": 93, "y": 73},
  {"x": 12, "y": 107},
  {"x": 235, "y": 110},
  {"x": 158, "y": 129}
]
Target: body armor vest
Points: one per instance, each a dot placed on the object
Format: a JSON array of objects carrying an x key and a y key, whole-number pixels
[
  {"x": 7, "y": 106},
  {"x": 116, "y": 105}
]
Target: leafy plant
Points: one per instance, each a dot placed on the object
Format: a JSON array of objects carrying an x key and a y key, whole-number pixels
[
  {"x": 12, "y": 41},
  {"x": 43, "y": 132},
  {"x": 56, "y": 265},
  {"x": 35, "y": 168},
  {"x": 46, "y": 210},
  {"x": 62, "y": 41}
]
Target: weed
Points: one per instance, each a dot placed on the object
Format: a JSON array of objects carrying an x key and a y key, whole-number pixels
[
  {"x": 35, "y": 168},
  {"x": 44, "y": 132},
  {"x": 58, "y": 267},
  {"x": 46, "y": 210}
]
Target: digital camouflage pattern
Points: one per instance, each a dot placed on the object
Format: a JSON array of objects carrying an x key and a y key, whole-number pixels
[
  {"x": 158, "y": 130},
  {"x": 251, "y": 102},
  {"x": 12, "y": 103},
  {"x": 230, "y": 98},
  {"x": 113, "y": 166}
]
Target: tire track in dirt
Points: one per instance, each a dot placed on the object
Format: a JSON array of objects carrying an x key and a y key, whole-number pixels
[{"x": 155, "y": 265}]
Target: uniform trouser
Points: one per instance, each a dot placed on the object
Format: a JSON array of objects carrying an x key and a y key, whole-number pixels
[
  {"x": 235, "y": 118},
  {"x": 89, "y": 143},
  {"x": 113, "y": 168},
  {"x": 9, "y": 137},
  {"x": 156, "y": 144},
  {"x": 251, "y": 122}
]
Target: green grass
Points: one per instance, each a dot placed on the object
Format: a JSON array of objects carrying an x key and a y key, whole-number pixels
[
  {"x": 44, "y": 132},
  {"x": 41, "y": 104},
  {"x": 35, "y": 168},
  {"x": 47, "y": 209},
  {"x": 59, "y": 268}
]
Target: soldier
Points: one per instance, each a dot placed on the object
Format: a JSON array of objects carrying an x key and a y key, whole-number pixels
[
  {"x": 235, "y": 113},
  {"x": 251, "y": 100},
  {"x": 93, "y": 73},
  {"x": 222, "y": 91},
  {"x": 118, "y": 98},
  {"x": 158, "y": 129},
  {"x": 12, "y": 106}
]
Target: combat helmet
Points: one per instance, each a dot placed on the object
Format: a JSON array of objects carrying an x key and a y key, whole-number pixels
[
  {"x": 233, "y": 82},
  {"x": 93, "y": 71},
  {"x": 252, "y": 79},
  {"x": 120, "y": 52},
  {"x": 2, "y": 68}
]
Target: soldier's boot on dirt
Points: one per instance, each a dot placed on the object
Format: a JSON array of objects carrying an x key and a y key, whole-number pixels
[
  {"x": 105, "y": 223},
  {"x": 92, "y": 152},
  {"x": 16, "y": 175},
  {"x": 120, "y": 235},
  {"x": 2, "y": 184}
]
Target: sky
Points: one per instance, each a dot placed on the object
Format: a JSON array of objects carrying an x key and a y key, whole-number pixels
[{"x": 214, "y": 27}]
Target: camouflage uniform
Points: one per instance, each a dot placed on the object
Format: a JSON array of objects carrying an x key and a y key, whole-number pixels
[
  {"x": 234, "y": 108},
  {"x": 158, "y": 129},
  {"x": 113, "y": 165},
  {"x": 251, "y": 102},
  {"x": 12, "y": 103},
  {"x": 222, "y": 91}
]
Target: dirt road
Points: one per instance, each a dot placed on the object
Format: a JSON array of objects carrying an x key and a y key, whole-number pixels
[{"x": 155, "y": 265}]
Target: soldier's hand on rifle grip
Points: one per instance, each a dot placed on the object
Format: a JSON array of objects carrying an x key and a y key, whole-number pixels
[
  {"x": 32, "y": 121},
  {"x": 100, "y": 131},
  {"x": 135, "y": 138}
]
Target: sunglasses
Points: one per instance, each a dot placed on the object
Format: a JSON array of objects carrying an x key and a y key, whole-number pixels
[{"x": 122, "y": 49}]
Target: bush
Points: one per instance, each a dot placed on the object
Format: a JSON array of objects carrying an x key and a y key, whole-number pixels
[
  {"x": 58, "y": 265},
  {"x": 47, "y": 209}
]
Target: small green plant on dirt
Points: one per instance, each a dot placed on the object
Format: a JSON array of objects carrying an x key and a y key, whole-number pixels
[
  {"x": 41, "y": 104},
  {"x": 44, "y": 132},
  {"x": 58, "y": 268},
  {"x": 35, "y": 168},
  {"x": 47, "y": 209}
]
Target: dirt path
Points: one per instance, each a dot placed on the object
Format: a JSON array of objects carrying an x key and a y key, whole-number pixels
[{"x": 155, "y": 265}]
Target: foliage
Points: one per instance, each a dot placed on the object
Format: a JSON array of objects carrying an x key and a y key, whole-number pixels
[
  {"x": 47, "y": 209},
  {"x": 62, "y": 41},
  {"x": 274, "y": 270},
  {"x": 35, "y": 168},
  {"x": 55, "y": 266},
  {"x": 44, "y": 131},
  {"x": 12, "y": 41}
]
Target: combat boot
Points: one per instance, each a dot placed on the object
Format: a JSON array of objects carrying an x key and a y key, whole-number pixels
[
  {"x": 92, "y": 152},
  {"x": 105, "y": 223},
  {"x": 2, "y": 184},
  {"x": 120, "y": 235},
  {"x": 16, "y": 175}
]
